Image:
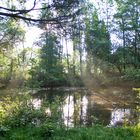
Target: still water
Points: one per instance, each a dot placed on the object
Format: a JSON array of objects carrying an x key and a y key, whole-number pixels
[{"x": 77, "y": 108}]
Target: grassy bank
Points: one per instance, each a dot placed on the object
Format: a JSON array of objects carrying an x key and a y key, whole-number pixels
[{"x": 92, "y": 133}]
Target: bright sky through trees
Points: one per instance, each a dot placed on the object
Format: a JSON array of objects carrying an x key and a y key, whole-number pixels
[{"x": 33, "y": 33}]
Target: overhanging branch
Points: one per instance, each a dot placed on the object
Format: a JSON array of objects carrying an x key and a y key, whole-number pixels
[
  {"x": 63, "y": 14},
  {"x": 60, "y": 18}
]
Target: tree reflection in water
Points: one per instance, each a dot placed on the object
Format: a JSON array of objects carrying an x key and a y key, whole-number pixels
[{"x": 78, "y": 109}]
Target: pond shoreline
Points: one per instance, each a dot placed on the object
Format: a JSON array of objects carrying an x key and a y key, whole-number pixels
[
  {"x": 99, "y": 102},
  {"x": 107, "y": 96}
]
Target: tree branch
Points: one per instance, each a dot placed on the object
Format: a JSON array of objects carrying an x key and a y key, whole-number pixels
[
  {"x": 24, "y": 11},
  {"x": 64, "y": 15},
  {"x": 56, "y": 19},
  {"x": 19, "y": 11}
]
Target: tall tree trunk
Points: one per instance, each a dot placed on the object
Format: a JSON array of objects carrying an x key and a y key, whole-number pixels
[
  {"x": 67, "y": 54},
  {"x": 136, "y": 33},
  {"x": 74, "y": 53},
  {"x": 124, "y": 44}
]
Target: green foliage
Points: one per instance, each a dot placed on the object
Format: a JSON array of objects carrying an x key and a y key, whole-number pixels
[
  {"x": 117, "y": 59},
  {"x": 49, "y": 71},
  {"x": 132, "y": 74},
  {"x": 98, "y": 133},
  {"x": 127, "y": 20},
  {"x": 20, "y": 112},
  {"x": 98, "y": 39},
  {"x": 11, "y": 34},
  {"x": 25, "y": 133},
  {"x": 98, "y": 44},
  {"x": 93, "y": 133},
  {"x": 19, "y": 116}
]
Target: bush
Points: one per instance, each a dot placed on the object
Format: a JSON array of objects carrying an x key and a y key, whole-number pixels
[
  {"x": 132, "y": 74},
  {"x": 18, "y": 114}
]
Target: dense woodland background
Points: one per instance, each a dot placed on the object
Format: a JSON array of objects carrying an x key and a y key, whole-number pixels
[{"x": 104, "y": 37}]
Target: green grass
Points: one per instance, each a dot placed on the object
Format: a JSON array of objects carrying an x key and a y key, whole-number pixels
[
  {"x": 98, "y": 133},
  {"x": 92, "y": 133}
]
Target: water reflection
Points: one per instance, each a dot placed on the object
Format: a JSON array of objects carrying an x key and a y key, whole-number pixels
[
  {"x": 118, "y": 116},
  {"x": 84, "y": 106},
  {"x": 68, "y": 110},
  {"x": 77, "y": 109},
  {"x": 36, "y": 103}
]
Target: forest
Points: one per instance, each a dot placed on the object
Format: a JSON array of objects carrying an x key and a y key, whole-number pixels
[{"x": 78, "y": 66}]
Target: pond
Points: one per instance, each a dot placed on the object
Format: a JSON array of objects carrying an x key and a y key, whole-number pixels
[{"x": 81, "y": 107}]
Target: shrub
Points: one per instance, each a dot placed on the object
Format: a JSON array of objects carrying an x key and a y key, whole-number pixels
[
  {"x": 20, "y": 112},
  {"x": 132, "y": 74}
]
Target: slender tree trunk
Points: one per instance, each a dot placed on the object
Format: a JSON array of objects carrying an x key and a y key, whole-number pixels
[
  {"x": 124, "y": 44},
  {"x": 136, "y": 33},
  {"x": 11, "y": 68},
  {"x": 67, "y": 54},
  {"x": 74, "y": 53},
  {"x": 80, "y": 51}
]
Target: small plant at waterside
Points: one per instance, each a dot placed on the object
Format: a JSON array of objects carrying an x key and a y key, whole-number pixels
[{"x": 19, "y": 112}]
